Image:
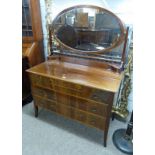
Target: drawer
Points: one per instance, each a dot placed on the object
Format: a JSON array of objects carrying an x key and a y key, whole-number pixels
[
  {"x": 38, "y": 80},
  {"x": 96, "y": 121},
  {"x": 101, "y": 96},
  {"x": 69, "y": 85},
  {"x": 88, "y": 93},
  {"x": 82, "y": 104},
  {"x": 97, "y": 108},
  {"x": 80, "y": 116},
  {"x": 92, "y": 107},
  {"x": 48, "y": 104},
  {"x": 67, "y": 91},
  {"x": 37, "y": 91},
  {"x": 45, "y": 93}
]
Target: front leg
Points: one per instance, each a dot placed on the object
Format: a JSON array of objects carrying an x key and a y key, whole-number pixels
[
  {"x": 36, "y": 110},
  {"x": 105, "y": 138}
]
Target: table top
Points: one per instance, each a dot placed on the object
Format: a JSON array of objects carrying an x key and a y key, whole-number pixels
[{"x": 99, "y": 78}]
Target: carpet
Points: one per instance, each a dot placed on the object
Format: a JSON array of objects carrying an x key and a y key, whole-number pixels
[{"x": 51, "y": 134}]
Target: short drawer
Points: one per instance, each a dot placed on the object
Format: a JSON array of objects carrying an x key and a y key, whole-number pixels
[
  {"x": 45, "y": 93},
  {"x": 89, "y": 119},
  {"x": 101, "y": 96},
  {"x": 97, "y": 108},
  {"x": 80, "y": 116},
  {"x": 91, "y": 106},
  {"x": 69, "y": 85},
  {"x": 96, "y": 121},
  {"x": 86, "y": 92},
  {"x": 42, "y": 81},
  {"x": 48, "y": 104}
]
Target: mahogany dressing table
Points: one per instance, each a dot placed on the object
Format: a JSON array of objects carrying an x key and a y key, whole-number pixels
[{"x": 83, "y": 73}]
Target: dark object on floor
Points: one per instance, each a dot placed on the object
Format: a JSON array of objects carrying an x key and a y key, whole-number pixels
[
  {"x": 26, "y": 91},
  {"x": 27, "y": 100},
  {"x": 122, "y": 138}
]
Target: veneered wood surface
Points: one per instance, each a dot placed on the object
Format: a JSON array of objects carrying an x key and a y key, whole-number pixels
[{"x": 89, "y": 76}]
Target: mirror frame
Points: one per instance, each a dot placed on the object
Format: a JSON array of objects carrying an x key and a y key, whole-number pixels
[{"x": 114, "y": 45}]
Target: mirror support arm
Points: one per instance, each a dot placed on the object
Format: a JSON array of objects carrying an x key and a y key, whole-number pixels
[{"x": 124, "y": 48}]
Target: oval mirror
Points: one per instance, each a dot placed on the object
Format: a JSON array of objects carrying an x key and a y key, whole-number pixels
[{"x": 88, "y": 29}]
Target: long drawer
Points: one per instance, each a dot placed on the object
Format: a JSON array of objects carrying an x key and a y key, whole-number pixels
[
  {"x": 100, "y": 109},
  {"x": 71, "y": 88},
  {"x": 73, "y": 113}
]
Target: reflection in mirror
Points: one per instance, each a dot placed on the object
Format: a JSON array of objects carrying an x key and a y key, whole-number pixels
[{"x": 87, "y": 29}]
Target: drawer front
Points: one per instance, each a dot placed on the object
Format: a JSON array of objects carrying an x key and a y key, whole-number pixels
[
  {"x": 98, "y": 108},
  {"x": 48, "y": 104},
  {"x": 65, "y": 84},
  {"x": 90, "y": 106},
  {"x": 80, "y": 116},
  {"x": 88, "y": 93},
  {"x": 38, "y": 80},
  {"x": 96, "y": 121},
  {"x": 45, "y": 93},
  {"x": 82, "y": 91},
  {"x": 102, "y": 96}
]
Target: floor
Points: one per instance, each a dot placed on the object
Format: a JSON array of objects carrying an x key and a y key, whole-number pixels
[{"x": 50, "y": 134}]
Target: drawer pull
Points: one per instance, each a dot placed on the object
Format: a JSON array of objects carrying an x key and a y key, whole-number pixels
[
  {"x": 94, "y": 110},
  {"x": 95, "y": 97}
]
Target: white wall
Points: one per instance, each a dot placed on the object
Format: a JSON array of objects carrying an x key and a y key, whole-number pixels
[{"x": 59, "y": 5}]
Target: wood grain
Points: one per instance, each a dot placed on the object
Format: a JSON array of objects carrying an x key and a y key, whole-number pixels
[{"x": 79, "y": 74}]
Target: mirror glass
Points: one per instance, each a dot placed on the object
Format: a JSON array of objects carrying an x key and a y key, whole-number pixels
[{"x": 88, "y": 29}]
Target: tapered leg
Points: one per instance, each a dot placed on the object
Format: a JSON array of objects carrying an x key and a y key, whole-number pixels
[
  {"x": 105, "y": 138},
  {"x": 36, "y": 110}
]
